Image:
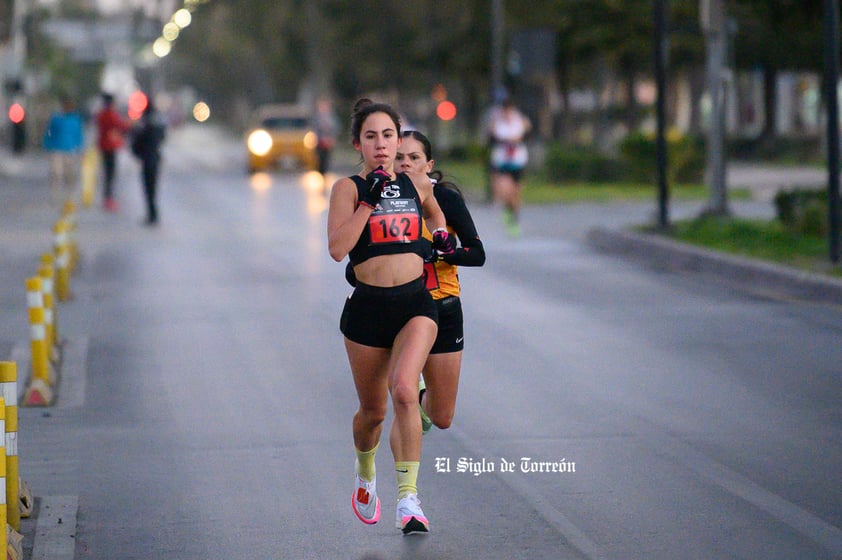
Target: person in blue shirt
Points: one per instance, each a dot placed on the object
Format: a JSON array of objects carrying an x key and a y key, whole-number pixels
[{"x": 64, "y": 140}]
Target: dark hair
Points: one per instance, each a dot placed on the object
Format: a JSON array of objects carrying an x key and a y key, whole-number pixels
[
  {"x": 366, "y": 107},
  {"x": 428, "y": 153}
]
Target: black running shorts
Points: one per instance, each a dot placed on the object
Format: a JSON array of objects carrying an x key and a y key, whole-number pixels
[
  {"x": 451, "y": 337},
  {"x": 374, "y": 316}
]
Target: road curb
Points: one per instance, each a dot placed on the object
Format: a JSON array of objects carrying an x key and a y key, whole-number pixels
[{"x": 754, "y": 273}]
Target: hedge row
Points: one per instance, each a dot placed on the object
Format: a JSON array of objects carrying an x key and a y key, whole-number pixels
[{"x": 636, "y": 161}]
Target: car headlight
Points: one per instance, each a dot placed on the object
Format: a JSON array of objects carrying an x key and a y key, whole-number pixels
[
  {"x": 259, "y": 142},
  {"x": 311, "y": 140}
]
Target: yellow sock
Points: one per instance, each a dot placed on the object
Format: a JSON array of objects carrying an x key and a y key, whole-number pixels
[
  {"x": 364, "y": 465},
  {"x": 407, "y": 472}
]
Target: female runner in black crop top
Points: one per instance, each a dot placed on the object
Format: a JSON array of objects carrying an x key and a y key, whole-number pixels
[{"x": 389, "y": 321}]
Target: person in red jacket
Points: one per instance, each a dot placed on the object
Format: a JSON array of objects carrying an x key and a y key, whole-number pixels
[{"x": 111, "y": 127}]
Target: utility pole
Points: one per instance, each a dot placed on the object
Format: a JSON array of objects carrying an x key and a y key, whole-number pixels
[
  {"x": 831, "y": 81},
  {"x": 13, "y": 75},
  {"x": 498, "y": 29},
  {"x": 712, "y": 16},
  {"x": 661, "y": 51},
  {"x": 17, "y": 38},
  {"x": 318, "y": 63},
  {"x": 498, "y": 26}
]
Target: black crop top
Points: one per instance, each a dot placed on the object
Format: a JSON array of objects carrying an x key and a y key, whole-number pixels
[{"x": 395, "y": 225}]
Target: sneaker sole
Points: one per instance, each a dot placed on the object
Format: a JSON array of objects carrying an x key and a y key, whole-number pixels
[
  {"x": 374, "y": 519},
  {"x": 414, "y": 527}
]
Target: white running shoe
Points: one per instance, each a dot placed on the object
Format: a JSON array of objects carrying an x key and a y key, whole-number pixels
[
  {"x": 365, "y": 502},
  {"x": 409, "y": 518}
]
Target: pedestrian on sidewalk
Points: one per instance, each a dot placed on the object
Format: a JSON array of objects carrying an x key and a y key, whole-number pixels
[
  {"x": 64, "y": 140},
  {"x": 146, "y": 146},
  {"x": 112, "y": 127}
]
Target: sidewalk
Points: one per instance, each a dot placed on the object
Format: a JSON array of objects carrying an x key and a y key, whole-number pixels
[
  {"x": 31, "y": 164},
  {"x": 765, "y": 180},
  {"x": 46, "y": 463},
  {"x": 764, "y": 277}
]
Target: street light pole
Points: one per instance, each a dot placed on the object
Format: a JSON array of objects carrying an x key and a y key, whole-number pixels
[
  {"x": 661, "y": 50},
  {"x": 712, "y": 16},
  {"x": 18, "y": 37},
  {"x": 318, "y": 63},
  {"x": 831, "y": 81},
  {"x": 497, "y": 31}
]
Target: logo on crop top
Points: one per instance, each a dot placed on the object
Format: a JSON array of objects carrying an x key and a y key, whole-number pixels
[{"x": 391, "y": 190}]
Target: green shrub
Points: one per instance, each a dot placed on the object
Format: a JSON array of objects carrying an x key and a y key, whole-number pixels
[
  {"x": 814, "y": 219},
  {"x": 467, "y": 152},
  {"x": 803, "y": 211},
  {"x": 782, "y": 148},
  {"x": 685, "y": 157},
  {"x": 569, "y": 163}
]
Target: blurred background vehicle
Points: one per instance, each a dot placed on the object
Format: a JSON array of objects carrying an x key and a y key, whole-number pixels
[{"x": 281, "y": 136}]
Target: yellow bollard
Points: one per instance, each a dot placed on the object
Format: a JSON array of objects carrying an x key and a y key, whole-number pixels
[
  {"x": 39, "y": 392},
  {"x": 53, "y": 349},
  {"x": 9, "y": 383},
  {"x": 62, "y": 253},
  {"x": 69, "y": 209},
  {"x": 4, "y": 536},
  {"x": 37, "y": 299},
  {"x": 69, "y": 217},
  {"x": 47, "y": 272},
  {"x": 90, "y": 165}
]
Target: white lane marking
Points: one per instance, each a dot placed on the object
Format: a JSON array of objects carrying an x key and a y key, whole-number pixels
[{"x": 809, "y": 525}]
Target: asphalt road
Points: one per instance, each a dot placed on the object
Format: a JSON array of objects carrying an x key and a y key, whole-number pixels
[{"x": 205, "y": 400}]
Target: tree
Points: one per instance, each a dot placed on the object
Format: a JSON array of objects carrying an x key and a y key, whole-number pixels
[
  {"x": 614, "y": 37},
  {"x": 241, "y": 52},
  {"x": 775, "y": 35},
  {"x": 254, "y": 49}
]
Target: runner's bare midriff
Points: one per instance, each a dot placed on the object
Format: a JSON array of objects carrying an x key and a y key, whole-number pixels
[{"x": 386, "y": 271}]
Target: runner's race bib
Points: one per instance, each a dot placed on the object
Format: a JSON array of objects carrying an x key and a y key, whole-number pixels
[{"x": 395, "y": 220}]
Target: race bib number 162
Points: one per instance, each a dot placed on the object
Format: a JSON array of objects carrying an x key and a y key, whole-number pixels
[{"x": 395, "y": 221}]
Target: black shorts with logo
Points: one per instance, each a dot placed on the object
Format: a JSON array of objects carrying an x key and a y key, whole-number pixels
[
  {"x": 451, "y": 335},
  {"x": 374, "y": 316}
]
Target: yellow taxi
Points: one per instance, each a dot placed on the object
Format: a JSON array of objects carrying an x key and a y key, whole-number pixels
[{"x": 281, "y": 136}]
